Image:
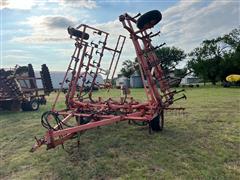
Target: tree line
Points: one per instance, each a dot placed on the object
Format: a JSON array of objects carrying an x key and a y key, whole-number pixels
[{"x": 212, "y": 61}]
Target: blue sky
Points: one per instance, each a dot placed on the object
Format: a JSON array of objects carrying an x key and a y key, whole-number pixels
[{"x": 34, "y": 31}]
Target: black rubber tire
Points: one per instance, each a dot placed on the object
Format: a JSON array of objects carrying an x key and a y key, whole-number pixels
[
  {"x": 83, "y": 120},
  {"x": 32, "y": 105},
  {"x": 32, "y": 75},
  {"x": 77, "y": 33},
  {"x": 46, "y": 79},
  {"x": 140, "y": 123},
  {"x": 25, "y": 106},
  {"x": 13, "y": 105},
  {"x": 149, "y": 19},
  {"x": 157, "y": 124}
]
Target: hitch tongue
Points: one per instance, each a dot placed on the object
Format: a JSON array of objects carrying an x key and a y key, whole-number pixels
[{"x": 38, "y": 143}]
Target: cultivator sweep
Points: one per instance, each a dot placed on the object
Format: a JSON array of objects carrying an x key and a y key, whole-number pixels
[{"x": 83, "y": 110}]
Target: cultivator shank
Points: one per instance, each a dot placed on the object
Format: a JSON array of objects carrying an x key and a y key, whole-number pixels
[{"x": 83, "y": 110}]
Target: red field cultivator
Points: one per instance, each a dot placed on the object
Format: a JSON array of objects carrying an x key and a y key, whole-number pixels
[{"x": 83, "y": 110}]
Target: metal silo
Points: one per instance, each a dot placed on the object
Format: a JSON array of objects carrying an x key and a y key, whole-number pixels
[{"x": 136, "y": 81}]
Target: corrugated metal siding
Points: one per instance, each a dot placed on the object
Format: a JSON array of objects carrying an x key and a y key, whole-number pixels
[
  {"x": 136, "y": 82},
  {"x": 57, "y": 77}
]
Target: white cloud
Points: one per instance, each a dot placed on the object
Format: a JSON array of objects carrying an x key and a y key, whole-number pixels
[
  {"x": 14, "y": 51},
  {"x": 187, "y": 24},
  {"x": 89, "y": 4},
  {"x": 44, "y": 33},
  {"x": 184, "y": 25},
  {"x": 15, "y": 57},
  {"x": 64, "y": 52},
  {"x": 115, "y": 28},
  {"x": 50, "y": 22},
  {"x": 46, "y": 29},
  {"x": 29, "y": 4},
  {"x": 16, "y": 4},
  {"x": 11, "y": 60}
]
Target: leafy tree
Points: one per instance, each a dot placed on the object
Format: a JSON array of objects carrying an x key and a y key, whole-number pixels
[
  {"x": 128, "y": 68},
  {"x": 216, "y": 58},
  {"x": 230, "y": 64},
  {"x": 169, "y": 57},
  {"x": 231, "y": 40},
  {"x": 231, "y": 58},
  {"x": 206, "y": 60}
]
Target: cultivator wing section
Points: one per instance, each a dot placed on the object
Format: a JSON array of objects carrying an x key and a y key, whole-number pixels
[
  {"x": 150, "y": 65},
  {"x": 88, "y": 63},
  {"x": 89, "y": 60}
]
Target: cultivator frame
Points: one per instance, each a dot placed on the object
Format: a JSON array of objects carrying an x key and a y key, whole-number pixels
[{"x": 88, "y": 112}]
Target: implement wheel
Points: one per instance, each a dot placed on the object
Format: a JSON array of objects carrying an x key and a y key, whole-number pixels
[
  {"x": 32, "y": 105},
  {"x": 14, "y": 105},
  {"x": 157, "y": 123},
  {"x": 77, "y": 33},
  {"x": 83, "y": 120},
  {"x": 149, "y": 19}
]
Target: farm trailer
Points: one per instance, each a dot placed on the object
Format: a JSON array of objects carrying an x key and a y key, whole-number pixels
[{"x": 19, "y": 88}]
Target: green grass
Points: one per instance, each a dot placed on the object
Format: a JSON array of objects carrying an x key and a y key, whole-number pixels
[{"x": 201, "y": 143}]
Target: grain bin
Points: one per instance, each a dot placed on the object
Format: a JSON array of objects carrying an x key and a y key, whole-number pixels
[
  {"x": 136, "y": 81},
  {"x": 122, "y": 81}
]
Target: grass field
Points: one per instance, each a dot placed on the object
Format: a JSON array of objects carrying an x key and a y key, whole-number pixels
[{"x": 201, "y": 143}]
